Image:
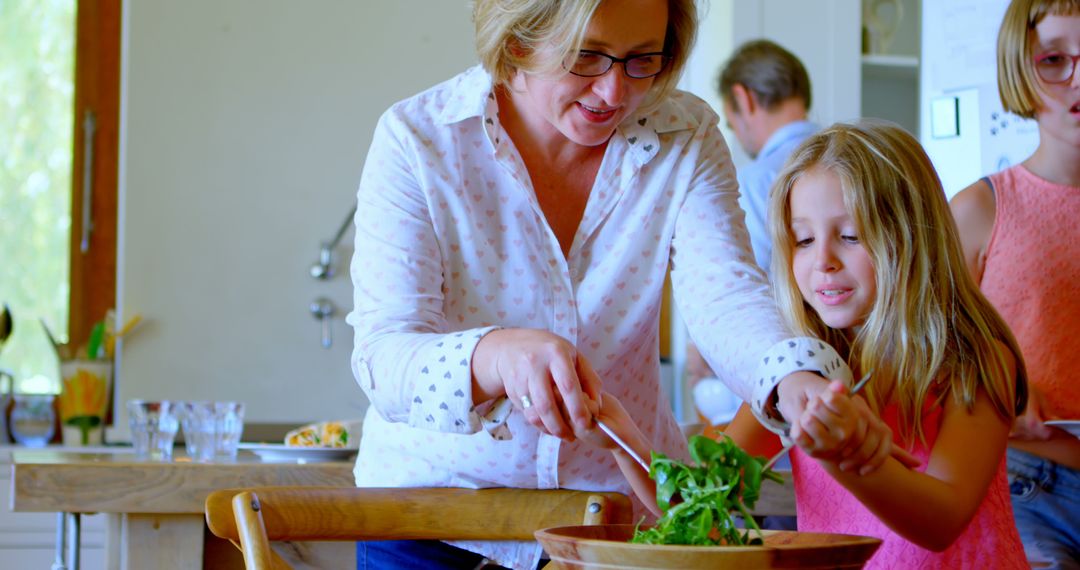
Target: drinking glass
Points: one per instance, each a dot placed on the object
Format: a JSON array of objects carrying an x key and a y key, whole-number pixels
[
  {"x": 32, "y": 419},
  {"x": 200, "y": 433},
  {"x": 153, "y": 428},
  {"x": 212, "y": 429},
  {"x": 229, "y": 420}
]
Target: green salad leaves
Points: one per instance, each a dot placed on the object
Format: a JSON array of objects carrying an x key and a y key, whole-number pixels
[{"x": 699, "y": 500}]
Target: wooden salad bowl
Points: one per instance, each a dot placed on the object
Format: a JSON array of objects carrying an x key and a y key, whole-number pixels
[{"x": 606, "y": 546}]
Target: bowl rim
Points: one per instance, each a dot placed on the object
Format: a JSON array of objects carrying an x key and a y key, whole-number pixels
[{"x": 559, "y": 533}]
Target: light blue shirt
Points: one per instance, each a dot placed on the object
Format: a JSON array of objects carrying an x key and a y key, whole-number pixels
[{"x": 756, "y": 179}]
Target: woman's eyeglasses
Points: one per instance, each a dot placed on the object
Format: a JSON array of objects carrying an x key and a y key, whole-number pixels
[
  {"x": 587, "y": 63},
  {"x": 1055, "y": 67}
]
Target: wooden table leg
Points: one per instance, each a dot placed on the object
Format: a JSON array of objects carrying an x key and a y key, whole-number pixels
[{"x": 161, "y": 541}]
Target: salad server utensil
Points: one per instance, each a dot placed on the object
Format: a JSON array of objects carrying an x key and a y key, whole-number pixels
[{"x": 621, "y": 443}]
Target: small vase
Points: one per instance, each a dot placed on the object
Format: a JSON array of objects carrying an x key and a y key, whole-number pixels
[{"x": 73, "y": 436}]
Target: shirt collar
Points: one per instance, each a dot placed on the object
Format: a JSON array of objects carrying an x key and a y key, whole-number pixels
[
  {"x": 642, "y": 130},
  {"x": 465, "y": 96},
  {"x": 797, "y": 129},
  {"x": 471, "y": 94}
]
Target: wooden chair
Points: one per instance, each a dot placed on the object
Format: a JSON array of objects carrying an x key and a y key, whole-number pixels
[{"x": 253, "y": 517}]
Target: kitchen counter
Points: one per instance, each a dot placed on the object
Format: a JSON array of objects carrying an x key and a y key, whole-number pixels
[{"x": 154, "y": 509}]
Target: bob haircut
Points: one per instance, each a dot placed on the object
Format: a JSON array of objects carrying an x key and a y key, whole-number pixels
[
  {"x": 509, "y": 32},
  {"x": 1018, "y": 86},
  {"x": 930, "y": 333}
]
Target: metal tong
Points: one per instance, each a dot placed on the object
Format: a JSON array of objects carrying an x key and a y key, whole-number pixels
[{"x": 625, "y": 447}]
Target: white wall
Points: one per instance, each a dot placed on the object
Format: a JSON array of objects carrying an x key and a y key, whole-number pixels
[
  {"x": 245, "y": 126},
  {"x": 959, "y": 51}
]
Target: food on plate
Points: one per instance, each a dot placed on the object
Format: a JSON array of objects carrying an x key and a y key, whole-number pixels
[
  {"x": 699, "y": 500},
  {"x": 336, "y": 434}
]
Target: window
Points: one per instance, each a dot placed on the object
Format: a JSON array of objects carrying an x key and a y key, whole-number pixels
[
  {"x": 37, "y": 60},
  {"x": 59, "y": 60}
]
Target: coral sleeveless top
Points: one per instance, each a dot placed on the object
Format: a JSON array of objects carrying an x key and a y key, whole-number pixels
[
  {"x": 1032, "y": 277},
  {"x": 990, "y": 540}
]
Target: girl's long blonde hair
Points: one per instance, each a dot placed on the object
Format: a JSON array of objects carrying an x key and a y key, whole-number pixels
[{"x": 930, "y": 332}]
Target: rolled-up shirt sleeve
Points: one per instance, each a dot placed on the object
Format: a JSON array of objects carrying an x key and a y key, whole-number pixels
[
  {"x": 725, "y": 298},
  {"x": 410, "y": 364}
]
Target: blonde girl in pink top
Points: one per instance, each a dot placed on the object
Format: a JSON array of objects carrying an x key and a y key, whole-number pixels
[
  {"x": 867, "y": 259},
  {"x": 1019, "y": 231}
]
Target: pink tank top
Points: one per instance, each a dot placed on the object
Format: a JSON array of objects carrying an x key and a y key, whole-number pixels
[
  {"x": 990, "y": 540},
  {"x": 1032, "y": 277}
]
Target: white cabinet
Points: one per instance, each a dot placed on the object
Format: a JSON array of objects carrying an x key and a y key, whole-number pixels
[{"x": 28, "y": 540}]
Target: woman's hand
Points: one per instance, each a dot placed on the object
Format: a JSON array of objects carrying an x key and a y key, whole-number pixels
[{"x": 542, "y": 374}]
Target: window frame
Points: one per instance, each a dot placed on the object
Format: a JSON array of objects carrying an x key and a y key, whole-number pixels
[{"x": 97, "y": 89}]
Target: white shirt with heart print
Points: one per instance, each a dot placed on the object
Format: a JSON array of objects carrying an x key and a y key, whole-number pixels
[{"x": 451, "y": 244}]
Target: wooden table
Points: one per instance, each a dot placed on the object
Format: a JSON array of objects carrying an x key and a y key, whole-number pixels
[{"x": 155, "y": 510}]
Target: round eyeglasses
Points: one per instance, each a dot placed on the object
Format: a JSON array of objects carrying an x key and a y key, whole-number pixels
[
  {"x": 1055, "y": 67},
  {"x": 587, "y": 63}
]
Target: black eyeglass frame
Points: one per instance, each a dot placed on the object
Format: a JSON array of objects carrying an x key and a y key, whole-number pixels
[{"x": 612, "y": 60}]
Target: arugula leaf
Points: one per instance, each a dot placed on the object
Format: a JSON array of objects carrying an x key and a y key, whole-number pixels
[{"x": 699, "y": 500}]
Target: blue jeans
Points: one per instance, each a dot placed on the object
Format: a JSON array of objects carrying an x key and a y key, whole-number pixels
[
  {"x": 1046, "y": 505},
  {"x": 414, "y": 554}
]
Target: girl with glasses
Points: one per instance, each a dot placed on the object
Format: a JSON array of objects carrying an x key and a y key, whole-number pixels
[
  {"x": 514, "y": 228},
  {"x": 1020, "y": 231}
]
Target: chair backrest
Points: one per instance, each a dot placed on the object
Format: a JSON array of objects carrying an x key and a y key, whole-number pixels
[{"x": 254, "y": 517}]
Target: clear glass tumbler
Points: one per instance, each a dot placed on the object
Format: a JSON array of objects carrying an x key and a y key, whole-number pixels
[
  {"x": 32, "y": 419},
  {"x": 229, "y": 418},
  {"x": 199, "y": 421},
  {"x": 153, "y": 428}
]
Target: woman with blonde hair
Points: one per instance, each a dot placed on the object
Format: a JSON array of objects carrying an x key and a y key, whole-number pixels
[
  {"x": 513, "y": 231},
  {"x": 866, "y": 256},
  {"x": 1019, "y": 231}
]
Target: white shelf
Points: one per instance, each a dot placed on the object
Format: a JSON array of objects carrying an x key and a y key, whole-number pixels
[
  {"x": 902, "y": 67},
  {"x": 885, "y": 60}
]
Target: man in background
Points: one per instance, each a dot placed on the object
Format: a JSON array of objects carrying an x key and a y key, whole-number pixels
[
  {"x": 766, "y": 96},
  {"x": 765, "y": 92}
]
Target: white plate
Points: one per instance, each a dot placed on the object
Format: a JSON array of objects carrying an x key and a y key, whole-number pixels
[
  {"x": 279, "y": 453},
  {"x": 1071, "y": 426}
]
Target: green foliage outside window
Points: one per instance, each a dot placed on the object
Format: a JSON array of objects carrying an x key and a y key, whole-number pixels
[{"x": 37, "y": 63}]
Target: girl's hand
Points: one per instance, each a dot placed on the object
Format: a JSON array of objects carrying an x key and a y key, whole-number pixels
[
  {"x": 841, "y": 428},
  {"x": 611, "y": 411},
  {"x": 557, "y": 381},
  {"x": 1029, "y": 425}
]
